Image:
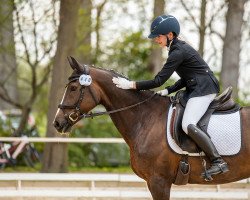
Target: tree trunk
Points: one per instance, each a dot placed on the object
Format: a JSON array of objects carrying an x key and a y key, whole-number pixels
[
  {"x": 55, "y": 154},
  {"x": 155, "y": 58},
  {"x": 202, "y": 29},
  {"x": 231, "y": 48},
  {"x": 8, "y": 66},
  {"x": 98, "y": 25}
]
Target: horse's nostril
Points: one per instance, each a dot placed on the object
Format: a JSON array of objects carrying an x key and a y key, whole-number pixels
[{"x": 56, "y": 124}]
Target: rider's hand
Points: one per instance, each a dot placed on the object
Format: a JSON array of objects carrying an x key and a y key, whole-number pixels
[
  {"x": 163, "y": 92},
  {"x": 123, "y": 83}
]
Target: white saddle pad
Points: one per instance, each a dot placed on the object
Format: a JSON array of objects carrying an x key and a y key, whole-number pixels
[{"x": 224, "y": 130}]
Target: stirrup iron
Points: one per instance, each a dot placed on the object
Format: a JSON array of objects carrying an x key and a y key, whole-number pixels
[
  {"x": 205, "y": 174},
  {"x": 208, "y": 175}
]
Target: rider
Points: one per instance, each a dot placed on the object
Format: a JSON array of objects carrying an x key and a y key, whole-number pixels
[{"x": 195, "y": 74}]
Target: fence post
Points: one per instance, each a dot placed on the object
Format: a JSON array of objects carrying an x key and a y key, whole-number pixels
[
  {"x": 19, "y": 184},
  {"x": 93, "y": 189}
]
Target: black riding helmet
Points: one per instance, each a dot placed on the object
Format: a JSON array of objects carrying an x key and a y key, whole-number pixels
[{"x": 163, "y": 25}]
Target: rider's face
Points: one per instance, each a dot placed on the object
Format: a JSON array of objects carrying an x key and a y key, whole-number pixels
[{"x": 161, "y": 40}]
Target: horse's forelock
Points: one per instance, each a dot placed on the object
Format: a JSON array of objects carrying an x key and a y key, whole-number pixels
[{"x": 74, "y": 75}]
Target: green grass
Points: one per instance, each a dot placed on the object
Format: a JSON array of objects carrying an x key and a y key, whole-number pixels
[
  {"x": 102, "y": 170},
  {"x": 37, "y": 168},
  {"x": 21, "y": 169}
]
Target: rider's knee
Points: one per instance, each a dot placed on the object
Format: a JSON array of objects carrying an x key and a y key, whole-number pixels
[{"x": 185, "y": 124}]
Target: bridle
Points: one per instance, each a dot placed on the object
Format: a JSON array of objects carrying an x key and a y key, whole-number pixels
[{"x": 77, "y": 114}]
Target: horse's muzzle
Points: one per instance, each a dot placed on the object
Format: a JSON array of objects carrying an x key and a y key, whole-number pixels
[{"x": 62, "y": 126}]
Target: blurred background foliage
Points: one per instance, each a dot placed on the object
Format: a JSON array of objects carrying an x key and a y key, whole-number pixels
[{"x": 130, "y": 56}]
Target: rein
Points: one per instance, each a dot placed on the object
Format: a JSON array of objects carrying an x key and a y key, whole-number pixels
[
  {"x": 77, "y": 114},
  {"x": 91, "y": 115}
]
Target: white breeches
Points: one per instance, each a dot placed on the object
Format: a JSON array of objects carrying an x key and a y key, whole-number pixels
[{"x": 195, "y": 109}]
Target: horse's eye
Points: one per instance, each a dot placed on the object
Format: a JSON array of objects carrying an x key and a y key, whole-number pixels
[{"x": 73, "y": 88}]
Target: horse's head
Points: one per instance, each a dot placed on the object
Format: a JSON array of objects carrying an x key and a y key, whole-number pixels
[{"x": 79, "y": 98}]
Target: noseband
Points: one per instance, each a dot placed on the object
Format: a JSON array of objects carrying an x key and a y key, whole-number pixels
[{"x": 77, "y": 114}]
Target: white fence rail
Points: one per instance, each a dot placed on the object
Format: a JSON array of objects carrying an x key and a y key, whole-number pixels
[
  {"x": 63, "y": 140},
  {"x": 92, "y": 188},
  {"x": 110, "y": 186}
]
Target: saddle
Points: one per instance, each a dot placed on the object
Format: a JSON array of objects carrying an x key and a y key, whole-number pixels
[{"x": 222, "y": 104}]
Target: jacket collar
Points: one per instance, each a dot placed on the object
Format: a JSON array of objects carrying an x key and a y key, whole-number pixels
[{"x": 175, "y": 40}]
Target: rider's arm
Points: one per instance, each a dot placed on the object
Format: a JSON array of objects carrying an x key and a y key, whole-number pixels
[
  {"x": 173, "y": 62},
  {"x": 177, "y": 86}
]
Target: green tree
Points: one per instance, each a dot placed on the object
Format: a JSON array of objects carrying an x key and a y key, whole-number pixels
[
  {"x": 8, "y": 65},
  {"x": 130, "y": 56},
  {"x": 34, "y": 54}
]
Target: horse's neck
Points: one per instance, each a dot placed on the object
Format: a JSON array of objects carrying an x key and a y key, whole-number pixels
[
  {"x": 133, "y": 121},
  {"x": 128, "y": 121}
]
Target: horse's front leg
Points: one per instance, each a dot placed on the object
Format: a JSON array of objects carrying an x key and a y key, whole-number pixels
[{"x": 159, "y": 188}]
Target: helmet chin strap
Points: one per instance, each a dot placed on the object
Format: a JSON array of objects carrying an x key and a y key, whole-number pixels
[{"x": 169, "y": 42}]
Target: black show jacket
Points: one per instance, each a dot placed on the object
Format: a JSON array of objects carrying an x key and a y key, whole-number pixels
[{"x": 194, "y": 72}]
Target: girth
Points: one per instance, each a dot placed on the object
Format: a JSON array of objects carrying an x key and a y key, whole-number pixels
[{"x": 223, "y": 104}]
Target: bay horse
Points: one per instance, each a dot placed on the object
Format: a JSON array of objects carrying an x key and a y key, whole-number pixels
[{"x": 140, "y": 117}]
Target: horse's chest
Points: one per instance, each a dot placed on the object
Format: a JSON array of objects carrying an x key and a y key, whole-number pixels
[
  {"x": 139, "y": 164},
  {"x": 142, "y": 157}
]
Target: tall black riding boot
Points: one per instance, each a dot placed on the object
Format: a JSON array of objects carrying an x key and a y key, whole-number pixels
[{"x": 218, "y": 165}]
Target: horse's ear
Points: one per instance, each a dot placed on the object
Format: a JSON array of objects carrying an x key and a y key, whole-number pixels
[
  {"x": 76, "y": 64},
  {"x": 71, "y": 62}
]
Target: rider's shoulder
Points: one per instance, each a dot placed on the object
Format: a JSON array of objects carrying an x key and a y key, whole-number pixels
[
  {"x": 183, "y": 46},
  {"x": 176, "y": 48}
]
